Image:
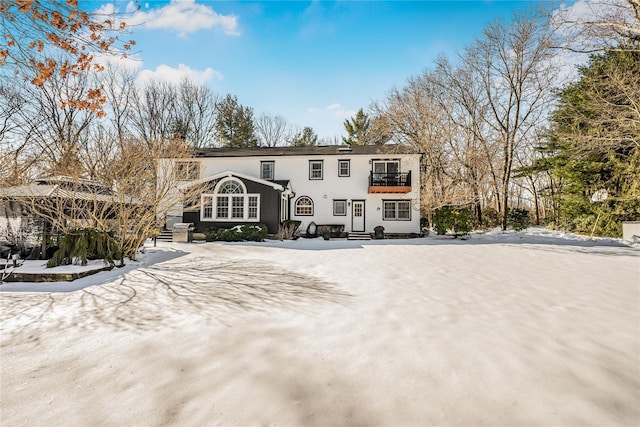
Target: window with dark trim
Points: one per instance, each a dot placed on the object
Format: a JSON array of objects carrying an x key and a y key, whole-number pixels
[
  {"x": 267, "y": 170},
  {"x": 339, "y": 208},
  {"x": 187, "y": 171},
  {"x": 315, "y": 169},
  {"x": 344, "y": 168},
  {"x": 304, "y": 206},
  {"x": 396, "y": 210}
]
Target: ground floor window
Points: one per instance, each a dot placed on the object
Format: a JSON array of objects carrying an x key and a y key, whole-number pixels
[
  {"x": 304, "y": 206},
  {"x": 339, "y": 208},
  {"x": 230, "y": 207},
  {"x": 396, "y": 210}
]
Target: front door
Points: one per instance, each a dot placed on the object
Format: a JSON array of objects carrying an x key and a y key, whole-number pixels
[{"x": 357, "y": 215}]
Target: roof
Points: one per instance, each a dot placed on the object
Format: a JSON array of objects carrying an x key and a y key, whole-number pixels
[
  {"x": 64, "y": 188},
  {"x": 276, "y": 185},
  {"x": 322, "y": 150}
]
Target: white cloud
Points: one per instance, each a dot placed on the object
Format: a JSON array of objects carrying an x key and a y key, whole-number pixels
[
  {"x": 337, "y": 110},
  {"x": 183, "y": 16},
  {"x": 175, "y": 75},
  {"x": 128, "y": 62}
]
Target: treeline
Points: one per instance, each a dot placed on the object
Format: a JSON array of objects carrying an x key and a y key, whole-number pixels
[{"x": 503, "y": 130}]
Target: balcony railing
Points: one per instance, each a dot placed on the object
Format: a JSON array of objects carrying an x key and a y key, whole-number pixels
[
  {"x": 394, "y": 179},
  {"x": 394, "y": 182}
]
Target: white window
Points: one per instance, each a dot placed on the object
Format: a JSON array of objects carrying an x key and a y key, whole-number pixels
[
  {"x": 267, "y": 170},
  {"x": 253, "y": 207},
  {"x": 344, "y": 168},
  {"x": 187, "y": 171},
  {"x": 230, "y": 202},
  {"x": 304, "y": 206},
  {"x": 237, "y": 207},
  {"x": 315, "y": 169},
  {"x": 231, "y": 187},
  {"x": 207, "y": 207},
  {"x": 396, "y": 210},
  {"x": 339, "y": 207}
]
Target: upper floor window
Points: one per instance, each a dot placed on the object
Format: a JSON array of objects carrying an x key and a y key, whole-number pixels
[
  {"x": 315, "y": 169},
  {"x": 304, "y": 206},
  {"x": 344, "y": 167},
  {"x": 267, "y": 169},
  {"x": 187, "y": 170},
  {"x": 386, "y": 166}
]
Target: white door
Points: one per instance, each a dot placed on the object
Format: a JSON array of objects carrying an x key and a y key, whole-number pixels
[{"x": 357, "y": 215}]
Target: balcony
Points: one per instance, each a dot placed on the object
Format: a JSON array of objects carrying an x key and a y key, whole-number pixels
[{"x": 395, "y": 182}]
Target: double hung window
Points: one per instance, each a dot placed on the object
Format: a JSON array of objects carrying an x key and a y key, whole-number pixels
[
  {"x": 396, "y": 210},
  {"x": 267, "y": 170},
  {"x": 187, "y": 171},
  {"x": 315, "y": 169},
  {"x": 344, "y": 168}
]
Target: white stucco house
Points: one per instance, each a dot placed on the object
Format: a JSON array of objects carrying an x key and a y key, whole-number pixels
[{"x": 354, "y": 187}]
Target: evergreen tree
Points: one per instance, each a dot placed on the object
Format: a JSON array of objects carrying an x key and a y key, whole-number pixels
[
  {"x": 595, "y": 144},
  {"x": 305, "y": 137},
  {"x": 357, "y": 129},
  {"x": 234, "y": 124}
]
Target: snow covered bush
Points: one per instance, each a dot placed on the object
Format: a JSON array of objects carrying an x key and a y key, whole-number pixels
[{"x": 239, "y": 233}]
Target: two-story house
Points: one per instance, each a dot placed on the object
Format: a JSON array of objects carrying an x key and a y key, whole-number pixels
[{"x": 358, "y": 187}]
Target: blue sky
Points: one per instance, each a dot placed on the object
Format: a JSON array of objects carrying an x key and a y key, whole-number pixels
[{"x": 313, "y": 62}]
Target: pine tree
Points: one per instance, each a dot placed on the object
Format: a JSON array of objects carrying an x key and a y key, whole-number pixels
[
  {"x": 304, "y": 138},
  {"x": 357, "y": 129},
  {"x": 595, "y": 143},
  {"x": 234, "y": 124}
]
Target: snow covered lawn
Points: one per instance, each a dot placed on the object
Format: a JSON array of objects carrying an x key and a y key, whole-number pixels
[{"x": 503, "y": 329}]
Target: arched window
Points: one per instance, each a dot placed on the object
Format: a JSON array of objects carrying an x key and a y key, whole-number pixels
[
  {"x": 304, "y": 206},
  {"x": 230, "y": 187},
  {"x": 230, "y": 203}
]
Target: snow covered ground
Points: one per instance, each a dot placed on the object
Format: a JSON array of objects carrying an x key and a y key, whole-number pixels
[{"x": 532, "y": 328}]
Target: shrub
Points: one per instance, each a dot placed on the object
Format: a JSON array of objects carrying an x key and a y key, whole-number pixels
[
  {"x": 80, "y": 245},
  {"x": 253, "y": 232},
  {"x": 239, "y": 233},
  {"x": 288, "y": 229},
  {"x": 518, "y": 219},
  {"x": 456, "y": 220},
  {"x": 490, "y": 218}
]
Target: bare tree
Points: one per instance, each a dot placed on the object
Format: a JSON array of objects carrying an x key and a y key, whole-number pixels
[
  {"x": 195, "y": 114},
  {"x": 599, "y": 25},
  {"x": 57, "y": 134},
  {"x": 272, "y": 130},
  {"x": 414, "y": 118},
  {"x": 514, "y": 64},
  {"x": 152, "y": 116}
]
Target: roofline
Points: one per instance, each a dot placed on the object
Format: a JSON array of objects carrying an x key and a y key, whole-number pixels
[
  {"x": 228, "y": 174},
  {"x": 322, "y": 150}
]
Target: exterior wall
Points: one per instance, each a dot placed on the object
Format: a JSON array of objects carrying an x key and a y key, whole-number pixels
[
  {"x": 269, "y": 210},
  {"x": 331, "y": 187}
]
